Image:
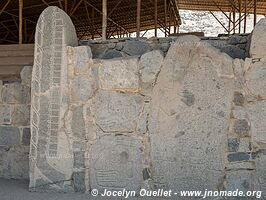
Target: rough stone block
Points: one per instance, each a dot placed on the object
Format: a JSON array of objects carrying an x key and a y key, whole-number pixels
[
  {"x": 233, "y": 144},
  {"x": 21, "y": 115},
  {"x": 239, "y": 99},
  {"x": 9, "y": 136},
  {"x": 119, "y": 74},
  {"x": 241, "y": 156},
  {"x": 117, "y": 112},
  {"x": 134, "y": 48},
  {"x": 78, "y": 123},
  {"x": 1, "y": 89},
  {"x": 245, "y": 145},
  {"x": 150, "y": 65},
  {"x": 240, "y": 180},
  {"x": 82, "y": 57},
  {"x": 260, "y": 174},
  {"x": 258, "y": 38},
  {"x": 5, "y": 114},
  {"x": 256, "y": 79},
  {"x": 25, "y": 75},
  {"x": 112, "y": 53},
  {"x": 116, "y": 163},
  {"x": 16, "y": 93},
  {"x": 79, "y": 181},
  {"x": 79, "y": 159},
  {"x": 26, "y": 136},
  {"x": 257, "y": 113},
  {"x": 237, "y": 39},
  {"x": 16, "y": 162},
  {"x": 242, "y": 127},
  {"x": 83, "y": 87}
]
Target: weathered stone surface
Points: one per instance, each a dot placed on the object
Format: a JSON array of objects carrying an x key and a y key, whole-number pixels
[
  {"x": 16, "y": 93},
  {"x": 5, "y": 114},
  {"x": 83, "y": 87},
  {"x": 26, "y": 137},
  {"x": 116, "y": 163},
  {"x": 9, "y": 135},
  {"x": 256, "y": 79},
  {"x": 25, "y": 75},
  {"x": 134, "y": 48},
  {"x": 16, "y": 162},
  {"x": 119, "y": 74},
  {"x": 258, "y": 38},
  {"x": 257, "y": 113},
  {"x": 21, "y": 115},
  {"x": 189, "y": 116},
  {"x": 117, "y": 112},
  {"x": 50, "y": 162}
]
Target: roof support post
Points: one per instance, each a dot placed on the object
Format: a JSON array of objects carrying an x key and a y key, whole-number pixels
[
  {"x": 165, "y": 17},
  {"x": 104, "y": 24},
  {"x": 234, "y": 20},
  {"x": 245, "y": 19},
  {"x": 255, "y": 12},
  {"x": 20, "y": 21},
  {"x": 240, "y": 9},
  {"x": 155, "y": 17},
  {"x": 138, "y": 17},
  {"x": 229, "y": 26}
]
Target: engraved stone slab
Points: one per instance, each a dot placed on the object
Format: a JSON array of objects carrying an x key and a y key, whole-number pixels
[
  {"x": 190, "y": 109},
  {"x": 117, "y": 112},
  {"x": 116, "y": 164},
  {"x": 50, "y": 166}
]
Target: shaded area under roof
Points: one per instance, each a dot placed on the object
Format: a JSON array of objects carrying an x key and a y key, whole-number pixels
[{"x": 122, "y": 15}]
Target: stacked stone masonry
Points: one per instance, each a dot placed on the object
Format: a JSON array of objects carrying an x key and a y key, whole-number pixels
[
  {"x": 170, "y": 113},
  {"x": 15, "y": 127}
]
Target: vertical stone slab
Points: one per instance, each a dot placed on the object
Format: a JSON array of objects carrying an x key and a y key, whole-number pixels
[
  {"x": 258, "y": 40},
  {"x": 116, "y": 164},
  {"x": 50, "y": 164},
  {"x": 189, "y": 117}
]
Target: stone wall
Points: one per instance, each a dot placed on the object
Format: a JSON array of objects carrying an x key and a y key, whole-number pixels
[
  {"x": 15, "y": 127},
  {"x": 171, "y": 113},
  {"x": 190, "y": 117},
  {"x": 236, "y": 46}
]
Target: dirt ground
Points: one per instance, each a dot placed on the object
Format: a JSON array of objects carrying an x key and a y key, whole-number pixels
[{"x": 18, "y": 190}]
